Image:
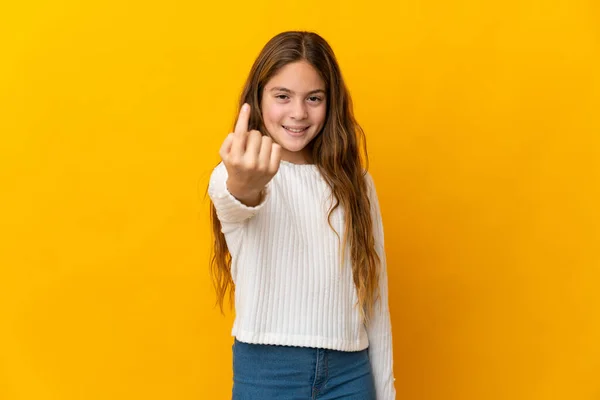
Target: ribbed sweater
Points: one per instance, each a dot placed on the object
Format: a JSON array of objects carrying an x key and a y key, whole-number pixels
[{"x": 290, "y": 286}]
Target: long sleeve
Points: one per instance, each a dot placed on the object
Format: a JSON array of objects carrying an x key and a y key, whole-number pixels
[
  {"x": 379, "y": 330},
  {"x": 290, "y": 289},
  {"x": 231, "y": 211}
]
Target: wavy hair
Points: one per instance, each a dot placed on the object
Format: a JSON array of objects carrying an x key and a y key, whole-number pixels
[{"x": 336, "y": 152}]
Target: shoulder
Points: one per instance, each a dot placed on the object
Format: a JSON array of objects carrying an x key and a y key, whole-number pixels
[
  {"x": 371, "y": 190},
  {"x": 368, "y": 178},
  {"x": 369, "y": 182}
]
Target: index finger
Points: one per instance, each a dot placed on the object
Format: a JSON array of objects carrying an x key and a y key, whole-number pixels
[{"x": 241, "y": 126}]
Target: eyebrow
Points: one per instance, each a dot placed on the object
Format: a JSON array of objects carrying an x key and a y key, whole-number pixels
[{"x": 282, "y": 89}]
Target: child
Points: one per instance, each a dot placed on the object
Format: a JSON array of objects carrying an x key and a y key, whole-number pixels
[{"x": 299, "y": 237}]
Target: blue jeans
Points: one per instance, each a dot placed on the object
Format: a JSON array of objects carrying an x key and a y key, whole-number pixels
[{"x": 269, "y": 372}]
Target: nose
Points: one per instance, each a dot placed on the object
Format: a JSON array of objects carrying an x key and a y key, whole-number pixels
[{"x": 299, "y": 110}]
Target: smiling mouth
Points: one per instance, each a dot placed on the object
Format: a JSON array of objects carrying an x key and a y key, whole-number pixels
[{"x": 295, "y": 130}]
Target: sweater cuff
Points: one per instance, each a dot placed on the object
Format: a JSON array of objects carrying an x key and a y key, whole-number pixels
[
  {"x": 382, "y": 363},
  {"x": 229, "y": 209}
]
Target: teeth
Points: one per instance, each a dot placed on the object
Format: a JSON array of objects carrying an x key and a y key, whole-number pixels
[{"x": 294, "y": 130}]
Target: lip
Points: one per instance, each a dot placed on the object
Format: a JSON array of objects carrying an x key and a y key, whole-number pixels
[
  {"x": 305, "y": 128},
  {"x": 297, "y": 126}
]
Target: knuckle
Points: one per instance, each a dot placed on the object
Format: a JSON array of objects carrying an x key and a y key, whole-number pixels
[
  {"x": 234, "y": 162},
  {"x": 254, "y": 135},
  {"x": 251, "y": 165},
  {"x": 261, "y": 167}
]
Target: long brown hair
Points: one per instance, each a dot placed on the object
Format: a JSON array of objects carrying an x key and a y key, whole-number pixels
[{"x": 336, "y": 151}]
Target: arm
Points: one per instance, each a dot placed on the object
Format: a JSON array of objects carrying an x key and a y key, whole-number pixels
[
  {"x": 379, "y": 329},
  {"x": 239, "y": 184},
  {"x": 231, "y": 211}
]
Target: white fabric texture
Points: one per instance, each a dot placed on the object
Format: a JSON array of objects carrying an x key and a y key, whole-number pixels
[{"x": 290, "y": 288}]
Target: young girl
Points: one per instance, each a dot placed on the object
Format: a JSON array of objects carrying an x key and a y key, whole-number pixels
[{"x": 299, "y": 237}]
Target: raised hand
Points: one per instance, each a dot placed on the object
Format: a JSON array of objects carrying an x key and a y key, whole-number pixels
[{"x": 251, "y": 159}]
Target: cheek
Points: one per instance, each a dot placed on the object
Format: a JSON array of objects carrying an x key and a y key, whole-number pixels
[
  {"x": 319, "y": 115},
  {"x": 272, "y": 114}
]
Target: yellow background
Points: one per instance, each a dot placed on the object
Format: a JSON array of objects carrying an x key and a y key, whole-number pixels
[{"x": 484, "y": 137}]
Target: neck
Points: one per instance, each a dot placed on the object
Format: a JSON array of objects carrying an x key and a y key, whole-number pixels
[{"x": 297, "y": 157}]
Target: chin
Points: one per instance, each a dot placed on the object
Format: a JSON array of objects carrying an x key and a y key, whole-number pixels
[{"x": 293, "y": 148}]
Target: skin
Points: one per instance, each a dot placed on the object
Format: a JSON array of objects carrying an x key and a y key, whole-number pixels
[
  {"x": 293, "y": 99},
  {"x": 251, "y": 160}
]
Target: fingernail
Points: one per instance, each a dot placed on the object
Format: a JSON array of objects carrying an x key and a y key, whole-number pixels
[{"x": 245, "y": 107}]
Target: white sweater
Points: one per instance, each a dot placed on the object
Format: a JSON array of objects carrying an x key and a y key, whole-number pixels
[{"x": 289, "y": 286}]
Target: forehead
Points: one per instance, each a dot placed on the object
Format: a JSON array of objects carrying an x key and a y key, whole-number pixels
[{"x": 299, "y": 77}]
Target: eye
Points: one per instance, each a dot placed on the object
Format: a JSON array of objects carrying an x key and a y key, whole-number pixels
[{"x": 282, "y": 96}]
